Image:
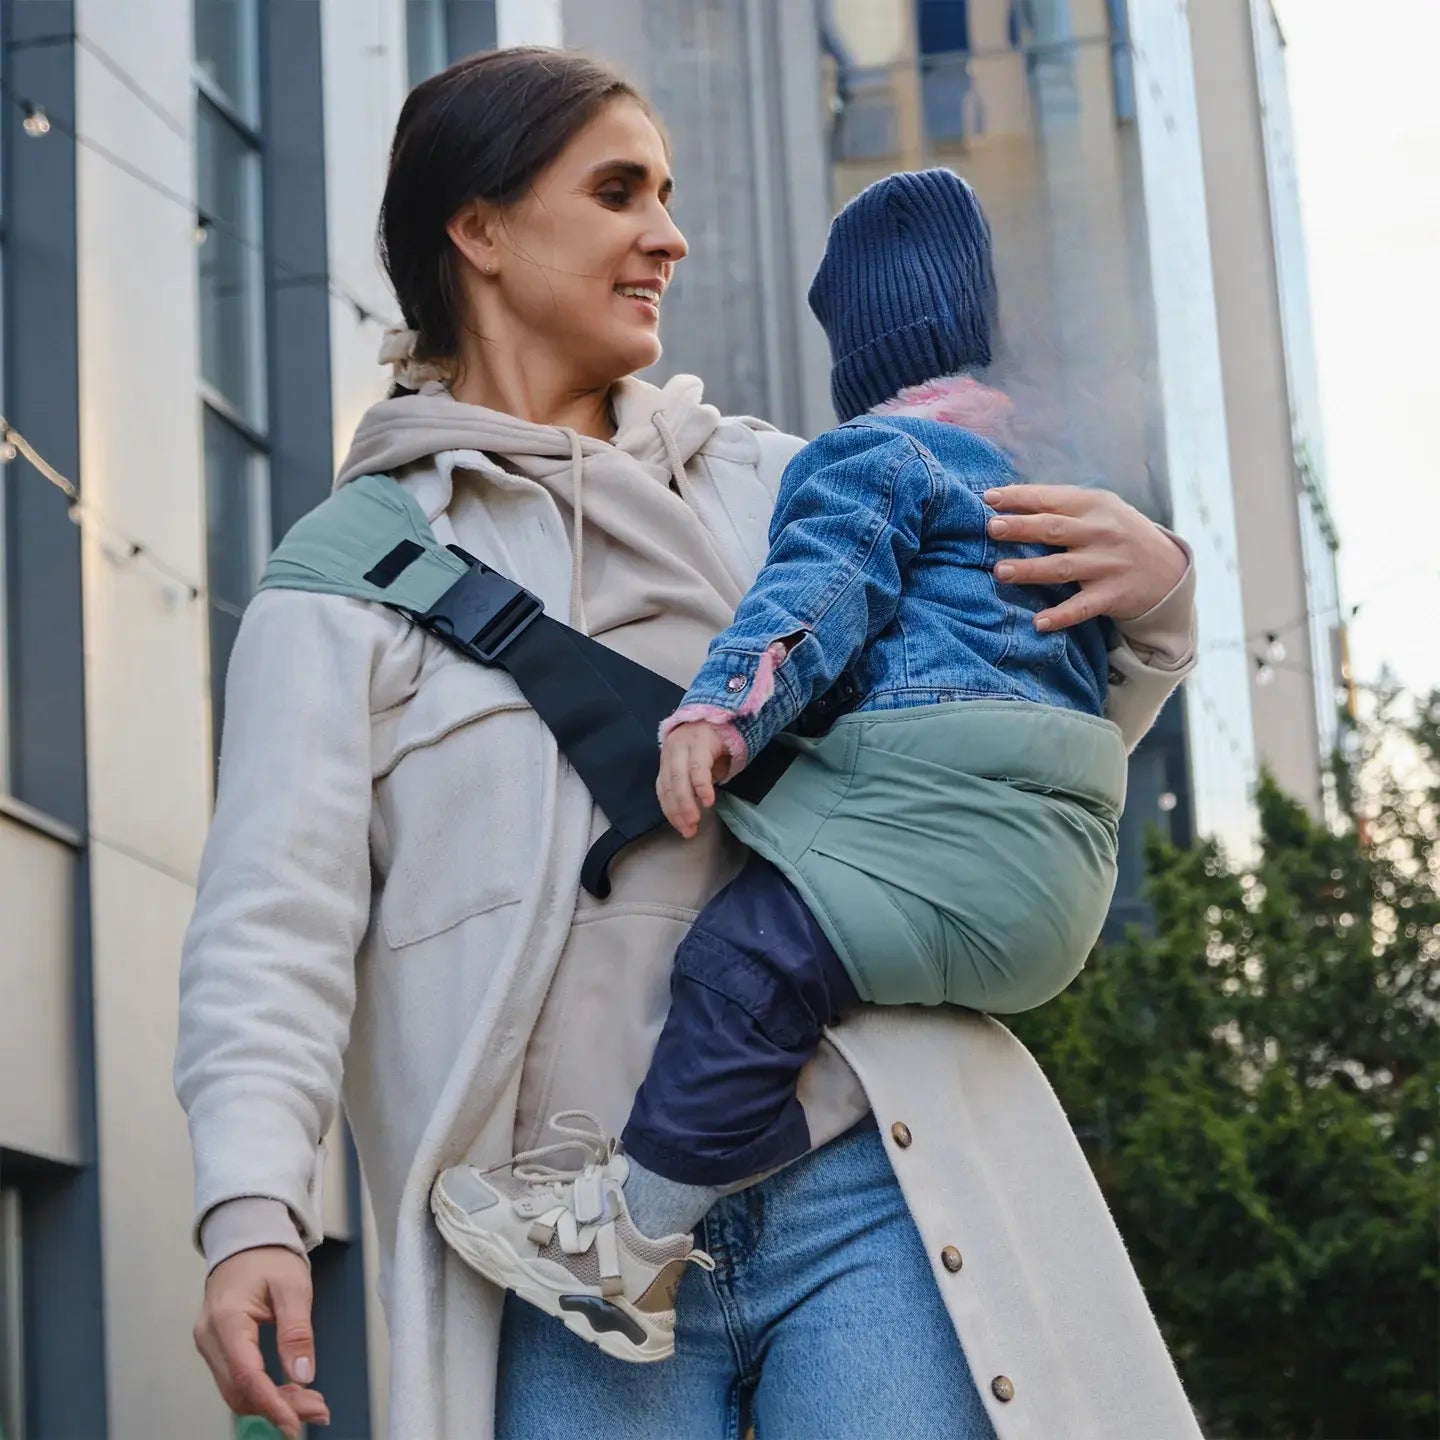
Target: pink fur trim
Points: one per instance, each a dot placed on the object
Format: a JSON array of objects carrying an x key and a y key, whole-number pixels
[
  {"x": 956, "y": 400},
  {"x": 762, "y": 687},
  {"x": 723, "y": 721}
]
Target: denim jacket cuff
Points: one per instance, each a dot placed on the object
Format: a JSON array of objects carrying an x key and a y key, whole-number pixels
[{"x": 743, "y": 684}]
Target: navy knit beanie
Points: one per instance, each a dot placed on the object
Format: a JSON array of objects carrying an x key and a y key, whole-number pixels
[{"x": 906, "y": 291}]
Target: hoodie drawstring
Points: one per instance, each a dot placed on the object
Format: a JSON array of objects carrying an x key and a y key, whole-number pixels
[
  {"x": 672, "y": 452},
  {"x": 577, "y": 545},
  {"x": 577, "y": 485}
]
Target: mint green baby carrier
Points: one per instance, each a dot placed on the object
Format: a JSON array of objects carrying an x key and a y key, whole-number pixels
[{"x": 961, "y": 853}]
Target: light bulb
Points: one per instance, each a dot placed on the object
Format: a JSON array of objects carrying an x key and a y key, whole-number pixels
[
  {"x": 1264, "y": 675},
  {"x": 36, "y": 122},
  {"x": 7, "y": 452},
  {"x": 1168, "y": 801},
  {"x": 1274, "y": 649}
]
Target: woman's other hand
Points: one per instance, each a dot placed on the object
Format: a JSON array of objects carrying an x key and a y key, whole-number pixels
[
  {"x": 693, "y": 760},
  {"x": 268, "y": 1285},
  {"x": 1123, "y": 562}
]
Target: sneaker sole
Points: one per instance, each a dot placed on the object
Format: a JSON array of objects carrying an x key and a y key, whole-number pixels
[{"x": 596, "y": 1320}]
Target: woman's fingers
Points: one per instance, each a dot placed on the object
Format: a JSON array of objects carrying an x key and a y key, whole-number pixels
[
  {"x": 308, "y": 1404},
  {"x": 1069, "y": 567},
  {"x": 1124, "y": 563},
  {"x": 1038, "y": 499},
  {"x": 240, "y": 1372},
  {"x": 291, "y": 1297},
  {"x": 251, "y": 1288},
  {"x": 1085, "y": 605}
]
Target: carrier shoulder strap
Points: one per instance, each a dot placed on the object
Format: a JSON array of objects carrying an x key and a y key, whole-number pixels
[{"x": 371, "y": 540}]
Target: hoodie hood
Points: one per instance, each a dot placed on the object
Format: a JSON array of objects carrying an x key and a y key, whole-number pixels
[
  {"x": 638, "y": 549},
  {"x": 659, "y": 428}
]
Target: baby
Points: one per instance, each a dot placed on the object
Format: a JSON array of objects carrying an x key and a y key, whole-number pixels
[{"x": 921, "y": 773}]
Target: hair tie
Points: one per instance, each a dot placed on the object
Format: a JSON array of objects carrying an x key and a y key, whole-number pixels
[{"x": 397, "y": 350}]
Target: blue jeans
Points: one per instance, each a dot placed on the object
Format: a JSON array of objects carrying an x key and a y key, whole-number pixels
[{"x": 822, "y": 1318}]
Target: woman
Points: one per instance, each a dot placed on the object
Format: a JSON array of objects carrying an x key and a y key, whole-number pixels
[{"x": 392, "y": 878}]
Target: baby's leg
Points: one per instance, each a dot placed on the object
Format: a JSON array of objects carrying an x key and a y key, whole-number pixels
[{"x": 755, "y": 983}]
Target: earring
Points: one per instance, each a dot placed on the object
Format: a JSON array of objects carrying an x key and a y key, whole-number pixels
[{"x": 489, "y": 268}]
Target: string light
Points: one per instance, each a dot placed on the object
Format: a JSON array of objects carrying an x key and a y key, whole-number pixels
[
  {"x": 201, "y": 233},
  {"x": 115, "y": 545},
  {"x": 36, "y": 123}
]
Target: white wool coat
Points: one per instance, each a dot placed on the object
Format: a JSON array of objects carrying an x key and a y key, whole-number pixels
[{"x": 388, "y": 884}]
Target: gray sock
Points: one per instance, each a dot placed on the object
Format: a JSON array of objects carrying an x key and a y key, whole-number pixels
[{"x": 661, "y": 1207}]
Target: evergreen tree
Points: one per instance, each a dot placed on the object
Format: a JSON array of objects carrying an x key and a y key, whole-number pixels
[{"x": 1257, "y": 1085}]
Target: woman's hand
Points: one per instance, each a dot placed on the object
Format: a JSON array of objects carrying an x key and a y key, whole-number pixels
[
  {"x": 267, "y": 1285},
  {"x": 1123, "y": 563},
  {"x": 693, "y": 760}
]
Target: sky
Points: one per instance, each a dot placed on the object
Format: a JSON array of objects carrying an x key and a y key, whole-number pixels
[{"x": 1364, "y": 80}]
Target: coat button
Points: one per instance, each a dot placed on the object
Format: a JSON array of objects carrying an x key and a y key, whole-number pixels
[
  {"x": 951, "y": 1259},
  {"x": 736, "y": 683},
  {"x": 1002, "y": 1388},
  {"x": 900, "y": 1134}
]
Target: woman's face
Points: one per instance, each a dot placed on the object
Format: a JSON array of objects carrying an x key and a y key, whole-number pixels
[{"x": 581, "y": 263}]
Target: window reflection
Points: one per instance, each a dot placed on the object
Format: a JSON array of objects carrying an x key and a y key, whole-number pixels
[{"x": 225, "y": 32}]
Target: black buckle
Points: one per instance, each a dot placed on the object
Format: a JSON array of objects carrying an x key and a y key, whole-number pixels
[{"x": 482, "y": 613}]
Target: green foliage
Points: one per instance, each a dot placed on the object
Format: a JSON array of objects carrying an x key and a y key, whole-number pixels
[{"x": 1256, "y": 1086}]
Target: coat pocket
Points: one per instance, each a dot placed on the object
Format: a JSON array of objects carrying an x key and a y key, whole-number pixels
[{"x": 458, "y": 786}]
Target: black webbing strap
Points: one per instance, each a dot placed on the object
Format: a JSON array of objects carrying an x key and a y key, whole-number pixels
[{"x": 603, "y": 710}]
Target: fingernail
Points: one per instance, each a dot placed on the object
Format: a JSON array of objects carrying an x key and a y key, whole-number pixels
[
  {"x": 304, "y": 1369},
  {"x": 998, "y": 527},
  {"x": 990, "y": 496},
  {"x": 1005, "y": 571},
  {"x": 1042, "y": 623}
]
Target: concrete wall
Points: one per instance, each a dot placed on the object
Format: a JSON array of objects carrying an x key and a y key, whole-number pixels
[
  {"x": 147, "y": 684},
  {"x": 1257, "y": 400},
  {"x": 737, "y": 84}
]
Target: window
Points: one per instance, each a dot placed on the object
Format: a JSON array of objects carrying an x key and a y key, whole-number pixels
[
  {"x": 12, "y": 1355},
  {"x": 438, "y": 32},
  {"x": 425, "y": 39},
  {"x": 229, "y": 236}
]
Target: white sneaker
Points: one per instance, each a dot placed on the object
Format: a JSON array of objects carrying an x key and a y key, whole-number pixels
[{"x": 563, "y": 1240}]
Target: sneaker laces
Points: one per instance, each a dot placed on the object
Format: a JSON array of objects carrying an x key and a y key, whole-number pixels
[
  {"x": 578, "y": 1191},
  {"x": 588, "y": 1136}
]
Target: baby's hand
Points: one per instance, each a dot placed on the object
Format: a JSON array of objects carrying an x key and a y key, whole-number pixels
[{"x": 693, "y": 760}]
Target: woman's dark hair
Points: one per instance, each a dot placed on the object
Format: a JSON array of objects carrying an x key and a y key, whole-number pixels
[{"x": 481, "y": 130}]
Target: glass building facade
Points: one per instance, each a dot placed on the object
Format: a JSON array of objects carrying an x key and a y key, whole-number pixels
[{"x": 1318, "y": 538}]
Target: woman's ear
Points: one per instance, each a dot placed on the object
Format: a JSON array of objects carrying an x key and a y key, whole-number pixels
[{"x": 474, "y": 230}]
